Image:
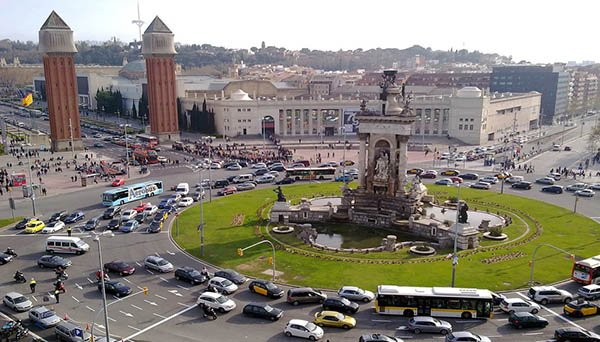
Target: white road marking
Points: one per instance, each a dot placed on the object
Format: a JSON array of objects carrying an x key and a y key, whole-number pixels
[
  {"x": 78, "y": 286},
  {"x": 139, "y": 287},
  {"x": 183, "y": 287},
  {"x": 90, "y": 308},
  {"x": 149, "y": 271},
  {"x": 99, "y": 325},
  {"x": 111, "y": 319},
  {"x": 34, "y": 298},
  {"x": 137, "y": 307},
  {"x": 161, "y": 297},
  {"x": 140, "y": 265},
  {"x": 158, "y": 323},
  {"x": 158, "y": 255},
  {"x": 175, "y": 292},
  {"x": 554, "y": 313},
  {"x": 127, "y": 280},
  {"x": 126, "y": 313},
  {"x": 533, "y": 333},
  {"x": 149, "y": 302},
  {"x": 115, "y": 297},
  {"x": 90, "y": 280},
  {"x": 163, "y": 279},
  {"x": 186, "y": 305},
  {"x": 159, "y": 315},
  {"x": 134, "y": 328},
  {"x": 170, "y": 253},
  {"x": 75, "y": 299}
]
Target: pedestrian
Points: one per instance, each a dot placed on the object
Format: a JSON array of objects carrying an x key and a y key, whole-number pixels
[
  {"x": 57, "y": 296},
  {"x": 32, "y": 284},
  {"x": 44, "y": 191},
  {"x": 69, "y": 230}
]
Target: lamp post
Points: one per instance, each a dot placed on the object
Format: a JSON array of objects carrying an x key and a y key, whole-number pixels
[
  {"x": 344, "y": 177},
  {"x": 126, "y": 146},
  {"x": 201, "y": 225},
  {"x": 31, "y": 186},
  {"x": 264, "y": 132},
  {"x": 454, "y": 255},
  {"x": 103, "y": 288}
]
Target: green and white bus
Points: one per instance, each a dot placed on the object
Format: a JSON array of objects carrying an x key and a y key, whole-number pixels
[{"x": 310, "y": 173}]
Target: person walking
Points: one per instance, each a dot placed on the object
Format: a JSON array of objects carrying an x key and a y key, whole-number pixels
[
  {"x": 57, "y": 296},
  {"x": 32, "y": 284},
  {"x": 69, "y": 231}
]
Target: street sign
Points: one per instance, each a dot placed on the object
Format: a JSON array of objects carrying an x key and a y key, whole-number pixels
[{"x": 11, "y": 203}]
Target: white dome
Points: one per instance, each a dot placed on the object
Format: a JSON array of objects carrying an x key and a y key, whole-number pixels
[
  {"x": 240, "y": 95},
  {"x": 469, "y": 92}
]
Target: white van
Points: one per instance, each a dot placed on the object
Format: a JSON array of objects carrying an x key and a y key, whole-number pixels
[
  {"x": 183, "y": 189},
  {"x": 243, "y": 178},
  {"x": 66, "y": 244}
]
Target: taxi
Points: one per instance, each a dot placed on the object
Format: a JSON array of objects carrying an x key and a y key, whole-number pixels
[
  {"x": 34, "y": 226},
  {"x": 580, "y": 308},
  {"x": 503, "y": 175},
  {"x": 334, "y": 319},
  {"x": 265, "y": 288},
  {"x": 414, "y": 171},
  {"x": 450, "y": 173}
]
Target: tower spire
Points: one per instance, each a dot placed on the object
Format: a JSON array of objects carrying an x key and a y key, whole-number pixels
[{"x": 139, "y": 22}]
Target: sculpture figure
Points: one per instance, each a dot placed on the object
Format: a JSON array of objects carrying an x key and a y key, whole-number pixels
[
  {"x": 382, "y": 167},
  {"x": 462, "y": 212},
  {"x": 280, "y": 195}
]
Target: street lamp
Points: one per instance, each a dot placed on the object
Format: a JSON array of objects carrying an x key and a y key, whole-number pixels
[
  {"x": 454, "y": 255},
  {"x": 264, "y": 132},
  {"x": 126, "y": 146},
  {"x": 103, "y": 289},
  {"x": 344, "y": 177},
  {"x": 201, "y": 226}
]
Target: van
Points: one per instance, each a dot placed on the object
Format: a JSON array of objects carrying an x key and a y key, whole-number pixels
[
  {"x": 243, "y": 178},
  {"x": 589, "y": 292},
  {"x": 66, "y": 244},
  {"x": 67, "y": 331},
  {"x": 183, "y": 189},
  {"x": 303, "y": 295}
]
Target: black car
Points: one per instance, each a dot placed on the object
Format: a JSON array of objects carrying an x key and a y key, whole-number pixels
[
  {"x": 261, "y": 172},
  {"x": 229, "y": 180},
  {"x": 158, "y": 217},
  {"x": 21, "y": 224},
  {"x": 279, "y": 168},
  {"x": 5, "y": 258},
  {"x": 53, "y": 261},
  {"x": 111, "y": 212},
  {"x": 521, "y": 185},
  {"x": 58, "y": 216},
  {"x": 221, "y": 183},
  {"x": 155, "y": 226},
  {"x": 377, "y": 338},
  {"x": 141, "y": 216},
  {"x": 526, "y": 320},
  {"x": 262, "y": 310},
  {"x": 556, "y": 189},
  {"x": 285, "y": 181},
  {"x": 573, "y": 334},
  {"x": 91, "y": 224},
  {"x": 196, "y": 196},
  {"x": 232, "y": 275},
  {"x": 190, "y": 275},
  {"x": 75, "y": 217},
  {"x": 114, "y": 224},
  {"x": 340, "y": 305},
  {"x": 115, "y": 287},
  {"x": 265, "y": 288},
  {"x": 469, "y": 176}
]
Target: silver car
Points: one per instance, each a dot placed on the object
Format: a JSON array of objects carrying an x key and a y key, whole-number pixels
[
  {"x": 356, "y": 293},
  {"x": 428, "y": 324},
  {"x": 17, "y": 301},
  {"x": 43, "y": 317},
  {"x": 158, "y": 264},
  {"x": 224, "y": 286}
]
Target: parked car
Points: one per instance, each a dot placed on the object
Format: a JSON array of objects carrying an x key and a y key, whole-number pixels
[
  {"x": 262, "y": 310},
  {"x": 459, "y": 336},
  {"x": 92, "y": 223},
  {"x": 521, "y": 185},
  {"x": 228, "y": 190},
  {"x": 116, "y": 288},
  {"x": 414, "y": 171},
  {"x": 232, "y": 275},
  {"x": 580, "y": 308},
  {"x": 68, "y": 331},
  {"x": 58, "y": 216},
  {"x": 576, "y": 186},
  {"x": 141, "y": 217},
  {"x": 340, "y": 305},
  {"x": 511, "y": 305},
  {"x": 75, "y": 217},
  {"x": 590, "y": 292},
  {"x": 334, "y": 319},
  {"x": 265, "y": 288},
  {"x": 23, "y": 223},
  {"x": 303, "y": 329},
  {"x": 120, "y": 267},
  {"x": 151, "y": 210},
  {"x": 481, "y": 185},
  {"x": 111, "y": 212},
  {"x": 557, "y": 189},
  {"x": 53, "y": 261},
  {"x": 190, "y": 275},
  {"x": 377, "y": 337},
  {"x": 514, "y": 179},
  {"x": 43, "y": 317},
  {"x": 266, "y": 178},
  {"x": 128, "y": 214},
  {"x": 17, "y": 301},
  {"x": 356, "y": 293},
  {"x": 34, "y": 226},
  {"x": 585, "y": 193},
  {"x": 245, "y": 186},
  {"x": 142, "y": 206},
  {"x": 572, "y": 334},
  {"x": 216, "y": 301},
  {"x": 545, "y": 180},
  {"x": 220, "y": 184},
  {"x": 428, "y": 324},
  {"x": 118, "y": 182},
  {"x": 155, "y": 226},
  {"x": 158, "y": 264},
  {"x": 429, "y": 174},
  {"x": 222, "y": 285},
  {"x": 547, "y": 294},
  {"x": 526, "y": 320},
  {"x": 129, "y": 226},
  {"x": 234, "y": 167},
  {"x": 114, "y": 224},
  {"x": 489, "y": 179}
]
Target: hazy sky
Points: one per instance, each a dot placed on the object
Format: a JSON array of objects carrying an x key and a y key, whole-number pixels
[{"x": 539, "y": 31}]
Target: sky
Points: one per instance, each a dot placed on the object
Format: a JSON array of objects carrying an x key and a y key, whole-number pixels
[{"x": 537, "y": 31}]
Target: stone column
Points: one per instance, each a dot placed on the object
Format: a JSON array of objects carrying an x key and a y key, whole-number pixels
[
  {"x": 403, "y": 161},
  {"x": 362, "y": 151},
  {"x": 310, "y": 122}
]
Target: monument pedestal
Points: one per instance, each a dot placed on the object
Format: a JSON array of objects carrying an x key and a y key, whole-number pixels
[
  {"x": 280, "y": 213},
  {"x": 467, "y": 236}
]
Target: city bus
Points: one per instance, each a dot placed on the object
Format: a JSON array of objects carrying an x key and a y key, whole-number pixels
[
  {"x": 131, "y": 193},
  {"x": 144, "y": 156},
  {"x": 18, "y": 179},
  {"x": 148, "y": 140},
  {"x": 310, "y": 173},
  {"x": 434, "y": 301},
  {"x": 587, "y": 271}
]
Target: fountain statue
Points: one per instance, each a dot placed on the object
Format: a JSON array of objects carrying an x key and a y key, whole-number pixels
[{"x": 280, "y": 195}]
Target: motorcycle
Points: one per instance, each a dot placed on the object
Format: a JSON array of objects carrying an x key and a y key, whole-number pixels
[
  {"x": 209, "y": 313},
  {"x": 20, "y": 278},
  {"x": 11, "y": 252},
  {"x": 61, "y": 275}
]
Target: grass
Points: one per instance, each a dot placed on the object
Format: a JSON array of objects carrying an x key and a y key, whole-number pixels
[
  {"x": 4, "y": 222},
  {"x": 561, "y": 228}
]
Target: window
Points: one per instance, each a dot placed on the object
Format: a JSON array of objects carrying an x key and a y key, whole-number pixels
[
  {"x": 470, "y": 127},
  {"x": 460, "y": 119},
  {"x": 460, "y": 127},
  {"x": 239, "y": 109},
  {"x": 248, "y": 109},
  {"x": 239, "y": 120}
]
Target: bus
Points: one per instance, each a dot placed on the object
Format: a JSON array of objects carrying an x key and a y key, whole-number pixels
[
  {"x": 130, "y": 193},
  {"x": 148, "y": 140},
  {"x": 587, "y": 271},
  {"x": 310, "y": 173},
  {"x": 18, "y": 179},
  {"x": 434, "y": 301},
  {"x": 144, "y": 156}
]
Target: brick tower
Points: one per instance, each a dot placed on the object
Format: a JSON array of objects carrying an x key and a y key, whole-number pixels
[
  {"x": 58, "y": 49},
  {"x": 158, "y": 49}
]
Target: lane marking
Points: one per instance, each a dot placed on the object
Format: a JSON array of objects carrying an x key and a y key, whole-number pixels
[
  {"x": 149, "y": 302},
  {"x": 552, "y": 312},
  {"x": 158, "y": 255},
  {"x": 137, "y": 307},
  {"x": 90, "y": 308},
  {"x": 75, "y": 299},
  {"x": 139, "y": 287},
  {"x": 90, "y": 280},
  {"x": 111, "y": 319},
  {"x": 158, "y": 323},
  {"x": 183, "y": 287},
  {"x": 127, "y": 280},
  {"x": 170, "y": 253},
  {"x": 126, "y": 313},
  {"x": 163, "y": 279},
  {"x": 140, "y": 265},
  {"x": 134, "y": 328},
  {"x": 34, "y": 298},
  {"x": 185, "y": 305},
  {"x": 161, "y": 297},
  {"x": 147, "y": 270},
  {"x": 176, "y": 293},
  {"x": 159, "y": 315},
  {"x": 78, "y": 286},
  {"x": 533, "y": 333}
]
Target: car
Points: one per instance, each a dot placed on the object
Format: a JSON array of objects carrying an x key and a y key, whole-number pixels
[
  {"x": 116, "y": 288},
  {"x": 118, "y": 182},
  {"x": 590, "y": 292},
  {"x": 469, "y": 176},
  {"x": 356, "y": 294},
  {"x": 286, "y": 180},
  {"x": 53, "y": 261},
  {"x": 58, "y": 216},
  {"x": 128, "y": 214},
  {"x": 557, "y": 189},
  {"x": 162, "y": 159},
  {"x": 431, "y": 174},
  {"x": 43, "y": 317},
  {"x": 329, "y": 164},
  {"x": 198, "y": 195},
  {"x": 344, "y": 178},
  {"x": 466, "y": 336},
  {"x": 547, "y": 294},
  {"x": 278, "y": 168},
  {"x": 580, "y": 308},
  {"x": 481, "y": 185},
  {"x": 175, "y": 198},
  {"x": 155, "y": 227},
  {"x": 118, "y": 266},
  {"x": 190, "y": 275},
  {"x": 142, "y": 206},
  {"x": 377, "y": 337},
  {"x": 334, "y": 319},
  {"x": 158, "y": 264},
  {"x": 555, "y": 175},
  {"x": 75, "y": 217},
  {"x": 221, "y": 183},
  {"x": 111, "y": 212},
  {"x": 595, "y": 186},
  {"x": 303, "y": 329},
  {"x": 232, "y": 275},
  {"x": 503, "y": 175},
  {"x": 234, "y": 167},
  {"x": 17, "y": 301},
  {"x": 92, "y": 223},
  {"x": 265, "y": 288},
  {"x": 414, "y": 171},
  {"x": 222, "y": 285},
  {"x": 186, "y": 202},
  {"x": 141, "y": 217},
  {"x": 261, "y": 172},
  {"x": 489, "y": 179},
  {"x": 514, "y": 179},
  {"x": 572, "y": 334},
  {"x": 216, "y": 301},
  {"x": 428, "y": 324},
  {"x": 273, "y": 173},
  {"x": 510, "y": 305},
  {"x": 444, "y": 181},
  {"x": 228, "y": 190},
  {"x": 266, "y": 178},
  {"x": 23, "y": 223},
  {"x": 258, "y": 166},
  {"x": 34, "y": 227},
  {"x": 114, "y": 224},
  {"x": 576, "y": 186},
  {"x": 585, "y": 193},
  {"x": 555, "y": 147},
  {"x": 5, "y": 258},
  {"x": 340, "y": 305},
  {"x": 129, "y": 226},
  {"x": 164, "y": 203},
  {"x": 352, "y": 172},
  {"x": 523, "y": 185},
  {"x": 99, "y": 145},
  {"x": 450, "y": 173},
  {"x": 53, "y": 227},
  {"x": 151, "y": 210},
  {"x": 262, "y": 310},
  {"x": 526, "y": 320}
]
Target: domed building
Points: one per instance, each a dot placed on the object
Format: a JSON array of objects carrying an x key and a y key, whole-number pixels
[{"x": 135, "y": 70}]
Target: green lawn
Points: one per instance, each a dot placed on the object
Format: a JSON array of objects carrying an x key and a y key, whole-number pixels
[
  {"x": 560, "y": 227},
  {"x": 8, "y": 221}
]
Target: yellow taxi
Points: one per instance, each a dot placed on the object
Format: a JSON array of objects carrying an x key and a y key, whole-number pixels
[
  {"x": 265, "y": 288},
  {"x": 580, "y": 308},
  {"x": 450, "y": 173},
  {"x": 414, "y": 171},
  {"x": 334, "y": 319},
  {"x": 503, "y": 175},
  {"x": 34, "y": 226}
]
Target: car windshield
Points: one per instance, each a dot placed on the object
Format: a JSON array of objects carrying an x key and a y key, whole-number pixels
[
  {"x": 46, "y": 314},
  {"x": 20, "y": 299},
  {"x": 194, "y": 273},
  {"x": 161, "y": 262},
  {"x": 222, "y": 299},
  {"x": 339, "y": 316},
  {"x": 311, "y": 326},
  {"x": 227, "y": 282},
  {"x": 436, "y": 322},
  {"x": 271, "y": 286},
  {"x": 345, "y": 301},
  {"x": 268, "y": 308}
]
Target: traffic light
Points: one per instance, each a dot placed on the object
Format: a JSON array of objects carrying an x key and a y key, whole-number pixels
[
  {"x": 572, "y": 256},
  {"x": 270, "y": 260},
  {"x": 529, "y": 262},
  {"x": 240, "y": 252},
  {"x": 145, "y": 289}
]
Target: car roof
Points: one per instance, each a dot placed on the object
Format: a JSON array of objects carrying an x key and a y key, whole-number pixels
[
  {"x": 423, "y": 318},
  {"x": 211, "y": 294},
  {"x": 592, "y": 286},
  {"x": 349, "y": 288},
  {"x": 329, "y": 313},
  {"x": 40, "y": 309},
  {"x": 515, "y": 300},
  {"x": 544, "y": 288},
  {"x": 298, "y": 322},
  {"x": 14, "y": 295},
  {"x": 217, "y": 278},
  {"x": 462, "y": 334}
]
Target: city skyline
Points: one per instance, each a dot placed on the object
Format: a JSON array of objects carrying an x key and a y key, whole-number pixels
[{"x": 525, "y": 31}]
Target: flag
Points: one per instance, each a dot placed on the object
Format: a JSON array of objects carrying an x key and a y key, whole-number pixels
[{"x": 27, "y": 100}]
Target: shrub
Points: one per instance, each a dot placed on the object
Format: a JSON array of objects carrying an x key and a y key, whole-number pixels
[{"x": 496, "y": 231}]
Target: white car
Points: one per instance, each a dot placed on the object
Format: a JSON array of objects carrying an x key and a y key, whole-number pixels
[
  {"x": 53, "y": 227},
  {"x": 276, "y": 173},
  {"x": 510, "y": 305},
  {"x": 245, "y": 186},
  {"x": 128, "y": 215},
  {"x": 595, "y": 186},
  {"x": 215, "y": 166},
  {"x": 356, "y": 293},
  {"x": 489, "y": 179},
  {"x": 17, "y": 301},
  {"x": 304, "y": 329},
  {"x": 224, "y": 286},
  {"x": 576, "y": 187},
  {"x": 43, "y": 317},
  {"x": 459, "y": 336},
  {"x": 158, "y": 264},
  {"x": 216, "y": 301},
  {"x": 267, "y": 178},
  {"x": 585, "y": 193},
  {"x": 514, "y": 179},
  {"x": 481, "y": 186},
  {"x": 151, "y": 210},
  {"x": 259, "y": 166},
  {"x": 161, "y": 159},
  {"x": 234, "y": 167},
  {"x": 186, "y": 202}
]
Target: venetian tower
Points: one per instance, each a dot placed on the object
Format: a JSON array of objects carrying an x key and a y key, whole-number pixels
[
  {"x": 158, "y": 48},
  {"x": 58, "y": 49}
]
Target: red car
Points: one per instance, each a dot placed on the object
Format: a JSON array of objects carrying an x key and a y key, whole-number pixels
[
  {"x": 456, "y": 179},
  {"x": 142, "y": 207},
  {"x": 120, "y": 267},
  {"x": 118, "y": 182},
  {"x": 228, "y": 190}
]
